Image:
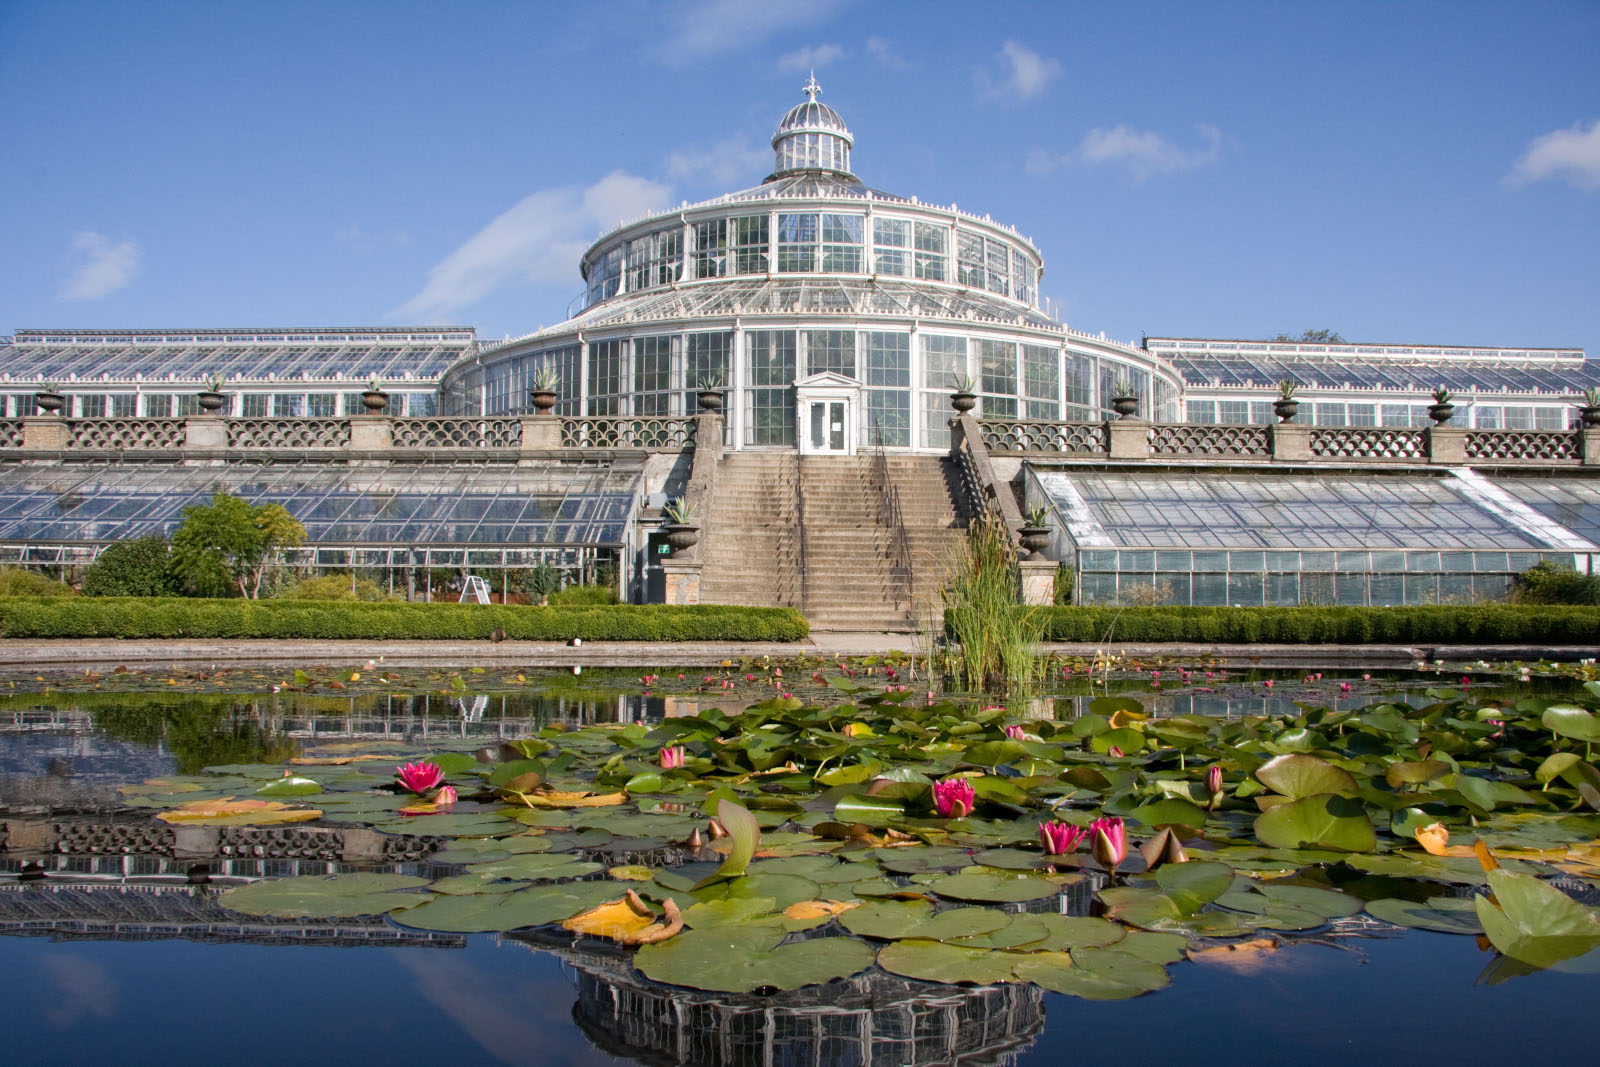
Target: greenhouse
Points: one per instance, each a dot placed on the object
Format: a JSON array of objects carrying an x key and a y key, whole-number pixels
[
  {"x": 1222, "y": 537},
  {"x": 477, "y": 515}
]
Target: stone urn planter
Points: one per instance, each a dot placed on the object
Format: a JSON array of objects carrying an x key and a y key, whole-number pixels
[
  {"x": 544, "y": 400},
  {"x": 682, "y": 536},
  {"x": 49, "y": 401},
  {"x": 1034, "y": 540},
  {"x": 212, "y": 402},
  {"x": 374, "y": 400},
  {"x": 1591, "y": 415},
  {"x": 710, "y": 399},
  {"x": 963, "y": 401},
  {"x": 1440, "y": 413},
  {"x": 1125, "y": 404},
  {"x": 1286, "y": 409}
]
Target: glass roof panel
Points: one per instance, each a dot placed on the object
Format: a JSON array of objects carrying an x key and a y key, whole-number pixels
[
  {"x": 1572, "y": 502},
  {"x": 402, "y": 504},
  {"x": 1224, "y": 509}
]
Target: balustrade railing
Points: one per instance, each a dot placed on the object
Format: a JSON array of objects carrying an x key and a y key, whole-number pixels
[
  {"x": 1196, "y": 439},
  {"x": 1533, "y": 446},
  {"x": 1043, "y": 435},
  {"x": 119, "y": 435},
  {"x": 293, "y": 434},
  {"x": 456, "y": 433},
  {"x": 1369, "y": 442},
  {"x": 657, "y": 433}
]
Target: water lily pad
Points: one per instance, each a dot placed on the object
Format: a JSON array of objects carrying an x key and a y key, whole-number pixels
[
  {"x": 1297, "y": 775},
  {"x": 734, "y": 959},
  {"x": 784, "y": 889},
  {"x": 728, "y": 911},
  {"x": 535, "y": 866},
  {"x": 1070, "y": 932},
  {"x": 492, "y": 912},
  {"x": 1322, "y": 820},
  {"x": 1533, "y": 921},
  {"x": 1095, "y": 974},
  {"x": 324, "y": 896},
  {"x": 935, "y": 961},
  {"x": 1571, "y": 721},
  {"x": 1448, "y": 915},
  {"x": 1023, "y": 931},
  {"x": 992, "y": 888},
  {"x": 915, "y": 859},
  {"x": 290, "y": 786},
  {"x": 1193, "y": 885},
  {"x": 1328, "y": 903},
  {"x": 890, "y": 920}
]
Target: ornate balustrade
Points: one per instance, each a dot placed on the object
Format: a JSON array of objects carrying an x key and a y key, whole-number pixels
[
  {"x": 652, "y": 433},
  {"x": 1134, "y": 440},
  {"x": 373, "y": 437}
]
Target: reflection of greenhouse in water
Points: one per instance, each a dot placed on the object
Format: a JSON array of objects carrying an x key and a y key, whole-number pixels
[{"x": 874, "y": 1018}]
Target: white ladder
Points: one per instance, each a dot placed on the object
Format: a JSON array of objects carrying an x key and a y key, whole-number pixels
[{"x": 476, "y": 588}]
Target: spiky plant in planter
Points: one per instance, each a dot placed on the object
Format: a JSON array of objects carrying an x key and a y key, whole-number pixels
[{"x": 1441, "y": 409}]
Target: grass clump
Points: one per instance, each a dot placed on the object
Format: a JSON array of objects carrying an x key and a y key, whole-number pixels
[{"x": 994, "y": 638}]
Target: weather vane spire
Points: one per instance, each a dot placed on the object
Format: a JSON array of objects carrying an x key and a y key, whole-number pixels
[{"x": 811, "y": 88}]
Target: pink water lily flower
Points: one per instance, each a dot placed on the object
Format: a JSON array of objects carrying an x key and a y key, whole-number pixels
[
  {"x": 954, "y": 798},
  {"x": 1015, "y": 732},
  {"x": 672, "y": 757},
  {"x": 1109, "y": 841},
  {"x": 1061, "y": 838},
  {"x": 446, "y": 795},
  {"x": 420, "y": 777}
]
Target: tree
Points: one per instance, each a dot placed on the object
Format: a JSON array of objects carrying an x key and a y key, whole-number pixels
[
  {"x": 1312, "y": 337},
  {"x": 141, "y": 567},
  {"x": 228, "y": 544}
]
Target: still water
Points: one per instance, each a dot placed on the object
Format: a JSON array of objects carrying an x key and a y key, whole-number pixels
[{"x": 117, "y": 956}]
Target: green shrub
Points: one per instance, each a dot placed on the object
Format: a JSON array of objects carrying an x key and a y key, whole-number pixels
[
  {"x": 583, "y": 596},
  {"x": 141, "y": 567},
  {"x": 1443, "y": 624},
  {"x": 17, "y": 581},
  {"x": 1550, "y": 583},
  {"x": 334, "y": 587},
  {"x": 390, "y": 620}
]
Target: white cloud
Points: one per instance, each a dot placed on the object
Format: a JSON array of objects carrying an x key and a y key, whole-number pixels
[
  {"x": 1573, "y": 155},
  {"x": 724, "y": 165},
  {"x": 1142, "y": 152},
  {"x": 1024, "y": 74},
  {"x": 882, "y": 49},
  {"x": 814, "y": 58},
  {"x": 538, "y": 240},
  {"x": 699, "y": 28},
  {"x": 102, "y": 267}
]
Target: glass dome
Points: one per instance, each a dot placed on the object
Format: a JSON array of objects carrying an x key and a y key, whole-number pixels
[{"x": 812, "y": 136}]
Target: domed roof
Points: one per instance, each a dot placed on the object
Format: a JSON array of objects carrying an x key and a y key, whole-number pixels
[{"x": 812, "y": 117}]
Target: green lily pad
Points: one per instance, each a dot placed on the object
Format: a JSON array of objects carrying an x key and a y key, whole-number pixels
[
  {"x": 1155, "y": 947},
  {"x": 1095, "y": 974},
  {"x": 1023, "y": 931},
  {"x": 894, "y": 919},
  {"x": 1297, "y": 775},
  {"x": 934, "y": 961},
  {"x": 745, "y": 833},
  {"x": 728, "y": 911},
  {"x": 784, "y": 889},
  {"x": 1072, "y": 932},
  {"x": 1447, "y": 915},
  {"x": 1193, "y": 885},
  {"x": 1328, "y": 903},
  {"x": 290, "y": 786},
  {"x": 492, "y": 912},
  {"x": 1011, "y": 859},
  {"x": 992, "y": 888},
  {"x": 1322, "y": 820},
  {"x": 734, "y": 959},
  {"x": 1571, "y": 721},
  {"x": 1533, "y": 921},
  {"x": 1171, "y": 811},
  {"x": 535, "y": 866},
  {"x": 324, "y": 896},
  {"x": 916, "y": 859},
  {"x": 1415, "y": 773}
]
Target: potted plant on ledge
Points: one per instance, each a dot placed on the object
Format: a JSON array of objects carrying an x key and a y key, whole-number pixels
[
  {"x": 212, "y": 399},
  {"x": 374, "y": 399},
  {"x": 710, "y": 393},
  {"x": 1441, "y": 409},
  {"x": 1035, "y": 537},
  {"x": 1123, "y": 400},
  {"x": 49, "y": 398},
  {"x": 1286, "y": 407},
  {"x": 544, "y": 390},
  {"x": 1591, "y": 406},
  {"x": 964, "y": 399},
  {"x": 682, "y": 531}
]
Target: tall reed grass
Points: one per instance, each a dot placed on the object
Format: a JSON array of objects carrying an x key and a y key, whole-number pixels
[{"x": 994, "y": 637}]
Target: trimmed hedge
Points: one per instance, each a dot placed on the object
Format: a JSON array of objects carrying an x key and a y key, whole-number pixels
[
  {"x": 323, "y": 620},
  {"x": 1478, "y": 623}
]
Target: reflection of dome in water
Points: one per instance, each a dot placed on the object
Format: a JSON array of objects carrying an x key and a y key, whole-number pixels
[{"x": 872, "y": 1018}]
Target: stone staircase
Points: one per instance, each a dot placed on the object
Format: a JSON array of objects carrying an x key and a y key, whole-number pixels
[{"x": 856, "y": 542}]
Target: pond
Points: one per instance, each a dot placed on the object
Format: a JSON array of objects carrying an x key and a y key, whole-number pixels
[{"x": 875, "y": 890}]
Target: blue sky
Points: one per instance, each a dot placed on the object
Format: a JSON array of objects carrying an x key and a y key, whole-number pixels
[{"x": 1395, "y": 171}]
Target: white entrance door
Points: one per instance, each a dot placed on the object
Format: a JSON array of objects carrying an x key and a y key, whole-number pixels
[{"x": 827, "y": 414}]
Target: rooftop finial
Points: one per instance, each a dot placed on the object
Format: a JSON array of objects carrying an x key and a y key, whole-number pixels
[{"x": 811, "y": 88}]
